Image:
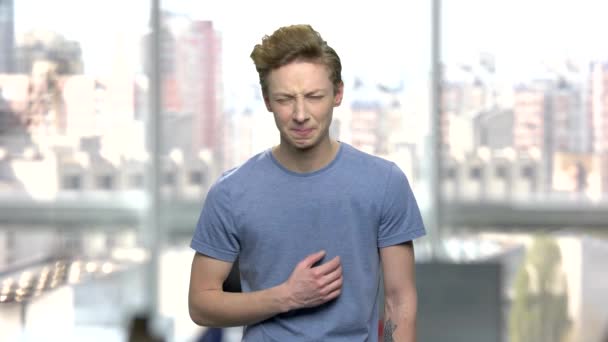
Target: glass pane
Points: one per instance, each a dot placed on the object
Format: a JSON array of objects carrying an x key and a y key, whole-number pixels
[
  {"x": 213, "y": 115},
  {"x": 71, "y": 99},
  {"x": 61, "y": 283},
  {"x": 524, "y": 100},
  {"x": 213, "y": 110},
  {"x": 552, "y": 284},
  {"x": 72, "y": 159}
]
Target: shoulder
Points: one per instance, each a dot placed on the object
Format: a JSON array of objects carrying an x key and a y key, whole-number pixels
[
  {"x": 381, "y": 173},
  {"x": 238, "y": 177},
  {"x": 366, "y": 162}
]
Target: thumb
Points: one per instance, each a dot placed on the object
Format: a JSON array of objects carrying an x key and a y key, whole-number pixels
[{"x": 312, "y": 259}]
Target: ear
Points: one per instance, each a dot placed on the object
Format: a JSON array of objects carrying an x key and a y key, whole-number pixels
[
  {"x": 267, "y": 103},
  {"x": 339, "y": 94}
]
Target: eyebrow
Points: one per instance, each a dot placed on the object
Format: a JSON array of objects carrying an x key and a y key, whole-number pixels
[{"x": 284, "y": 94}]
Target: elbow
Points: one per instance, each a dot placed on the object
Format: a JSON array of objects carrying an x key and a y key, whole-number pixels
[
  {"x": 203, "y": 320},
  {"x": 196, "y": 316},
  {"x": 199, "y": 317},
  {"x": 202, "y": 312}
]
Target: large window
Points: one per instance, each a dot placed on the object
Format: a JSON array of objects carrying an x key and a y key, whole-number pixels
[
  {"x": 73, "y": 160},
  {"x": 523, "y": 157},
  {"x": 116, "y": 117},
  {"x": 523, "y": 101}
]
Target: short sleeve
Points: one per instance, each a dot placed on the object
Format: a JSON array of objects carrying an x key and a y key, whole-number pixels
[
  {"x": 215, "y": 235},
  {"x": 401, "y": 220}
]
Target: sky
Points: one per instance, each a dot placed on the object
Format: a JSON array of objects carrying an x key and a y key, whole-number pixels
[
  {"x": 385, "y": 40},
  {"x": 393, "y": 33}
]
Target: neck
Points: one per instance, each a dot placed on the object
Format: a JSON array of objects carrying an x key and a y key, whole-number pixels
[{"x": 306, "y": 161}]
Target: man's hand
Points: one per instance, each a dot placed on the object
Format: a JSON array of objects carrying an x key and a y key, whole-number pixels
[{"x": 310, "y": 286}]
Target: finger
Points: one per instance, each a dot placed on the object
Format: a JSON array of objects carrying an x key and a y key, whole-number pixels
[
  {"x": 331, "y": 277},
  {"x": 333, "y": 295},
  {"x": 312, "y": 259},
  {"x": 328, "y": 267},
  {"x": 333, "y": 286}
]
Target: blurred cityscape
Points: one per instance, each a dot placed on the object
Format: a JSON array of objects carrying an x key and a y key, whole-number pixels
[
  {"x": 547, "y": 134},
  {"x": 68, "y": 135},
  {"x": 555, "y": 121}
]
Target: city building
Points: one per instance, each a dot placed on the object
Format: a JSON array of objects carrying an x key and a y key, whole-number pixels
[
  {"x": 40, "y": 45},
  {"x": 461, "y": 102},
  {"x": 492, "y": 129},
  {"x": 7, "y": 36},
  {"x": 598, "y": 108},
  {"x": 529, "y": 109},
  {"x": 368, "y": 119},
  {"x": 191, "y": 84}
]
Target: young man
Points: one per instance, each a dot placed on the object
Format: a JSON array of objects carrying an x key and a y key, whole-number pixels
[{"x": 313, "y": 221}]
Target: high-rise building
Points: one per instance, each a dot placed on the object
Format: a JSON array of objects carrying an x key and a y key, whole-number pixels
[
  {"x": 48, "y": 46},
  {"x": 598, "y": 105},
  {"x": 598, "y": 108},
  {"x": 461, "y": 103},
  {"x": 369, "y": 119},
  {"x": 198, "y": 73},
  {"x": 570, "y": 127},
  {"x": 529, "y": 104},
  {"x": 468, "y": 90},
  {"x": 191, "y": 85},
  {"x": 493, "y": 129},
  {"x": 549, "y": 120},
  {"x": 365, "y": 126},
  {"x": 7, "y": 36},
  {"x": 34, "y": 101},
  {"x": 548, "y": 116}
]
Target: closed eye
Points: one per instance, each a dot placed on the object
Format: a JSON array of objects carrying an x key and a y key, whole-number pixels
[
  {"x": 283, "y": 100},
  {"x": 315, "y": 97}
]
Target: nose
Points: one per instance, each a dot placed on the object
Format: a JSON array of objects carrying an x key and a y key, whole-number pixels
[{"x": 300, "y": 114}]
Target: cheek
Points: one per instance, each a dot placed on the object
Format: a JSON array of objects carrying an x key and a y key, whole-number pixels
[
  {"x": 282, "y": 110},
  {"x": 323, "y": 111},
  {"x": 281, "y": 118}
]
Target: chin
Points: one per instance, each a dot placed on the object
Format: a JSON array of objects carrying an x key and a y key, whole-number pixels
[{"x": 303, "y": 146}]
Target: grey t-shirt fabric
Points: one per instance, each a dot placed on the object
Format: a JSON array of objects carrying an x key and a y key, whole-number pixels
[{"x": 272, "y": 218}]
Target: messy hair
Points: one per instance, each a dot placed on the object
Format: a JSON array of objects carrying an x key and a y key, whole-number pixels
[{"x": 295, "y": 42}]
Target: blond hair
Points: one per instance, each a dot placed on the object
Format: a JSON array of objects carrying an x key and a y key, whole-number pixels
[{"x": 295, "y": 42}]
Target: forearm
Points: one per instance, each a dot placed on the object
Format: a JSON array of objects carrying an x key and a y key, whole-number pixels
[
  {"x": 215, "y": 308},
  {"x": 400, "y": 320}
]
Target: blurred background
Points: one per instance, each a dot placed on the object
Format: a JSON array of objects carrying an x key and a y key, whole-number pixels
[{"x": 115, "y": 118}]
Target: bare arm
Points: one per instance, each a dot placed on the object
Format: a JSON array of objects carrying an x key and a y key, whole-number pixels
[
  {"x": 400, "y": 298},
  {"x": 307, "y": 286}
]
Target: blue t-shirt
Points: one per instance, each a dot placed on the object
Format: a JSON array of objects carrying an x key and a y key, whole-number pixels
[{"x": 272, "y": 218}]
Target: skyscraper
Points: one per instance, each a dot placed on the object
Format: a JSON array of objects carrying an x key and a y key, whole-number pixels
[
  {"x": 7, "y": 36},
  {"x": 199, "y": 75},
  {"x": 529, "y": 109},
  {"x": 191, "y": 85},
  {"x": 598, "y": 100}
]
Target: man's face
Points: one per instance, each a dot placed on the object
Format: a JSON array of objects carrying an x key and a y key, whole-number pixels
[{"x": 302, "y": 98}]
